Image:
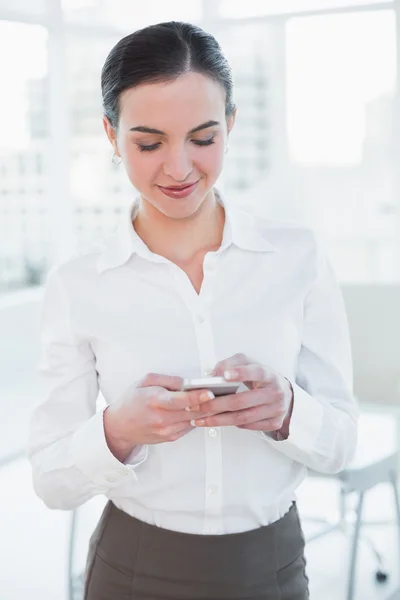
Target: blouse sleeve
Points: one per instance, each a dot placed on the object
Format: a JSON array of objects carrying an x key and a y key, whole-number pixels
[
  {"x": 67, "y": 448},
  {"x": 323, "y": 426}
]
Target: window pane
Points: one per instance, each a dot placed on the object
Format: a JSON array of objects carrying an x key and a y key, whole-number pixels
[
  {"x": 313, "y": 140},
  {"x": 29, "y": 7},
  {"x": 99, "y": 189},
  {"x": 339, "y": 91},
  {"x": 252, "y": 63},
  {"x": 254, "y": 8},
  {"x": 23, "y": 146},
  {"x": 340, "y": 108},
  {"x": 129, "y": 15}
]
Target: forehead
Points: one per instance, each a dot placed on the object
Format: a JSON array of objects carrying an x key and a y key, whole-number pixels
[{"x": 180, "y": 104}]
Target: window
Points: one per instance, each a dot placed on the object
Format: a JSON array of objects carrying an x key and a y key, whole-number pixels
[
  {"x": 23, "y": 145},
  {"x": 25, "y": 7},
  {"x": 130, "y": 14},
  {"x": 257, "y": 8},
  {"x": 339, "y": 91},
  {"x": 97, "y": 185},
  {"x": 340, "y": 111},
  {"x": 252, "y": 62}
]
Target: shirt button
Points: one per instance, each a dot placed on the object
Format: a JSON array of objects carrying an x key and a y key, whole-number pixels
[
  {"x": 212, "y": 432},
  {"x": 212, "y": 490},
  {"x": 111, "y": 479},
  {"x": 200, "y": 319}
]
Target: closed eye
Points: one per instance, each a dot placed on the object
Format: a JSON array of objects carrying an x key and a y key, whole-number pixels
[
  {"x": 152, "y": 147},
  {"x": 149, "y": 148},
  {"x": 203, "y": 142}
]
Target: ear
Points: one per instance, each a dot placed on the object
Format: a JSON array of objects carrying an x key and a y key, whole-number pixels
[
  {"x": 111, "y": 134},
  {"x": 230, "y": 121}
]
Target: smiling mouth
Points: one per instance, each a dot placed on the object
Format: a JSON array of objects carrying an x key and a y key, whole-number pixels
[{"x": 177, "y": 188}]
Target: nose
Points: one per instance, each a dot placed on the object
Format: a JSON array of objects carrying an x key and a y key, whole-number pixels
[{"x": 178, "y": 164}]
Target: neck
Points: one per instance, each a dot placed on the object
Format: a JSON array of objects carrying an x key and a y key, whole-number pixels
[{"x": 180, "y": 240}]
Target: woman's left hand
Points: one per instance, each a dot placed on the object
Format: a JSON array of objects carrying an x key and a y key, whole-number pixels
[{"x": 267, "y": 406}]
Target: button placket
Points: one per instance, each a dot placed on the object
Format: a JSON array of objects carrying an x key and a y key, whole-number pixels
[
  {"x": 212, "y": 441},
  {"x": 200, "y": 308},
  {"x": 209, "y": 271},
  {"x": 213, "y": 484}
]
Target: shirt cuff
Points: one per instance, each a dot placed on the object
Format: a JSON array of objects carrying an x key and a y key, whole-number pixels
[
  {"x": 93, "y": 457},
  {"x": 137, "y": 456},
  {"x": 305, "y": 423}
]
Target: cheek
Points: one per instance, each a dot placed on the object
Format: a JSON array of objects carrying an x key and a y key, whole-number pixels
[
  {"x": 210, "y": 160},
  {"x": 140, "y": 166}
]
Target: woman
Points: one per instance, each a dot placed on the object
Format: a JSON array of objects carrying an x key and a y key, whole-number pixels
[{"x": 201, "y": 490}]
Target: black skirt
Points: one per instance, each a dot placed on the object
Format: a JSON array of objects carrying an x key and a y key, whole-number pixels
[{"x": 131, "y": 560}]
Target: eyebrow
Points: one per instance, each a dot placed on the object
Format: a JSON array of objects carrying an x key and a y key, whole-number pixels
[{"x": 143, "y": 129}]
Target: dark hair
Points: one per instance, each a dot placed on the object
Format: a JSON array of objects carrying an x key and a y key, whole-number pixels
[{"x": 160, "y": 53}]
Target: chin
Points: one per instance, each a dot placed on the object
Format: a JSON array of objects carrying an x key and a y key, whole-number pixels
[{"x": 179, "y": 208}]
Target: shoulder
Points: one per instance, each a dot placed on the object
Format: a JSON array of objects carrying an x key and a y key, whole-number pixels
[
  {"x": 79, "y": 269},
  {"x": 287, "y": 236},
  {"x": 296, "y": 248}
]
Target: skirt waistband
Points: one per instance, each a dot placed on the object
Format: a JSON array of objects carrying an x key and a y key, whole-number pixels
[{"x": 232, "y": 564}]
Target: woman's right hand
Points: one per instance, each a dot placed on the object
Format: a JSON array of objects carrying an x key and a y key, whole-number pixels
[{"x": 155, "y": 411}]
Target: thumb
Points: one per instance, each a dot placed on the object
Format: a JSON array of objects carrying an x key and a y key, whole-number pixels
[
  {"x": 168, "y": 382},
  {"x": 237, "y": 360}
]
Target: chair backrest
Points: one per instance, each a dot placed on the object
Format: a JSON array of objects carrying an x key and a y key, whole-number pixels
[{"x": 374, "y": 319}]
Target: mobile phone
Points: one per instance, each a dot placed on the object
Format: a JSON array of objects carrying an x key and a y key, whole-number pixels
[{"x": 217, "y": 385}]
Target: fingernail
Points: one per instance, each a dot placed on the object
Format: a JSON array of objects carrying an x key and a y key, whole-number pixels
[
  {"x": 207, "y": 396},
  {"x": 197, "y": 422},
  {"x": 230, "y": 374}
]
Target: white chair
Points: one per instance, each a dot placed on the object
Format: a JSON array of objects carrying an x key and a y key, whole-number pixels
[
  {"x": 373, "y": 464},
  {"x": 374, "y": 320}
]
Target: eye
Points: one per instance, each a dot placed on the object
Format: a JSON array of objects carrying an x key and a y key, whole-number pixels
[
  {"x": 148, "y": 148},
  {"x": 203, "y": 142}
]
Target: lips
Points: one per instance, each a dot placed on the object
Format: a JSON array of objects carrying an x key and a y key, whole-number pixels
[
  {"x": 179, "y": 192},
  {"x": 176, "y": 188}
]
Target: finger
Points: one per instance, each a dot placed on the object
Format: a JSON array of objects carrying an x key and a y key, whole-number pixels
[
  {"x": 264, "y": 425},
  {"x": 241, "y": 417},
  {"x": 176, "y": 417},
  {"x": 168, "y": 382},
  {"x": 236, "y": 360},
  {"x": 173, "y": 433},
  {"x": 251, "y": 372},
  {"x": 240, "y": 401},
  {"x": 175, "y": 428},
  {"x": 180, "y": 400}
]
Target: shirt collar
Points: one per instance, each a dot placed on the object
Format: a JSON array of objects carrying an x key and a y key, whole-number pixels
[{"x": 240, "y": 230}]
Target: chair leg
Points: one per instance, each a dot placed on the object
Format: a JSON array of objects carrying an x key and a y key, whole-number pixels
[
  {"x": 71, "y": 552},
  {"x": 342, "y": 507},
  {"x": 353, "y": 558},
  {"x": 394, "y": 480}
]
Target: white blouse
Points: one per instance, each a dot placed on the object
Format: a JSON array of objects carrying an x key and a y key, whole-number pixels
[{"x": 114, "y": 314}]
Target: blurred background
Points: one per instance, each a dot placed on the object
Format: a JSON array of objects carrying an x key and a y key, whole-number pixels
[{"x": 316, "y": 141}]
